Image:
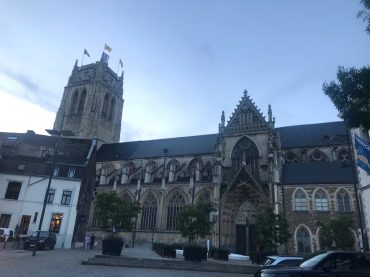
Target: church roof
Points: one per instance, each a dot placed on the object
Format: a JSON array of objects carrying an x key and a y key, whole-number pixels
[
  {"x": 181, "y": 146},
  {"x": 317, "y": 173},
  {"x": 310, "y": 135}
]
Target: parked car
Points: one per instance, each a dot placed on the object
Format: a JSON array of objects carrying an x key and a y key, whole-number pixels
[
  {"x": 279, "y": 261},
  {"x": 47, "y": 239},
  {"x": 6, "y": 233},
  {"x": 331, "y": 263}
]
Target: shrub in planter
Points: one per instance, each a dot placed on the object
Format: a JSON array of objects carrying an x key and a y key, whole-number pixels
[
  {"x": 195, "y": 253},
  {"x": 112, "y": 246},
  {"x": 221, "y": 254}
]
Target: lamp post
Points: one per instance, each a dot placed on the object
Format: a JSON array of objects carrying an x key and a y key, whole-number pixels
[{"x": 59, "y": 133}]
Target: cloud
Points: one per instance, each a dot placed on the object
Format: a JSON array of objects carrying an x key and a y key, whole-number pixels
[{"x": 21, "y": 86}]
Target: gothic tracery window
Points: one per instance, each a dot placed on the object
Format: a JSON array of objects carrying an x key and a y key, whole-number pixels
[
  {"x": 72, "y": 107},
  {"x": 303, "y": 241},
  {"x": 105, "y": 106},
  {"x": 343, "y": 201},
  {"x": 176, "y": 204},
  {"x": 291, "y": 157},
  {"x": 112, "y": 109},
  {"x": 149, "y": 213},
  {"x": 318, "y": 156},
  {"x": 245, "y": 153},
  {"x": 321, "y": 201},
  {"x": 300, "y": 200},
  {"x": 81, "y": 103}
]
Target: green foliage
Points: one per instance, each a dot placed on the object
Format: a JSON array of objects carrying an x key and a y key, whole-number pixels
[
  {"x": 365, "y": 14},
  {"x": 336, "y": 234},
  {"x": 351, "y": 95},
  {"x": 193, "y": 221},
  {"x": 116, "y": 213},
  {"x": 271, "y": 229}
]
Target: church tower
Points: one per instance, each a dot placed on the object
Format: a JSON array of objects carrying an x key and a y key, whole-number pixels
[{"x": 92, "y": 102}]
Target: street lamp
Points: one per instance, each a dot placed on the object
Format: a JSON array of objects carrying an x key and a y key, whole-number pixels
[{"x": 59, "y": 133}]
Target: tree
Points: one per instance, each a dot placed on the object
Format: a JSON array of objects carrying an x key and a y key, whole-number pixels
[
  {"x": 115, "y": 213},
  {"x": 365, "y": 14},
  {"x": 336, "y": 234},
  {"x": 351, "y": 95},
  {"x": 271, "y": 229},
  {"x": 193, "y": 221}
]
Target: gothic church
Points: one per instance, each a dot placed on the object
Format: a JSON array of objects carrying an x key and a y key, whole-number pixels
[{"x": 244, "y": 166}]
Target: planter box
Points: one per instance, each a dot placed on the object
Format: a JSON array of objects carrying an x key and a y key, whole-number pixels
[
  {"x": 195, "y": 253},
  {"x": 112, "y": 247}
]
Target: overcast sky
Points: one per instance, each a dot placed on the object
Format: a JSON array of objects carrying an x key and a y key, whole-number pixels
[{"x": 184, "y": 61}]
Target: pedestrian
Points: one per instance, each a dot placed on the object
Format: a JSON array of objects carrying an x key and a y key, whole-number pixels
[
  {"x": 87, "y": 241},
  {"x": 92, "y": 241}
]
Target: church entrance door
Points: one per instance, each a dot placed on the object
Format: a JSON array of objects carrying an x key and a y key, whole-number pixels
[{"x": 241, "y": 239}]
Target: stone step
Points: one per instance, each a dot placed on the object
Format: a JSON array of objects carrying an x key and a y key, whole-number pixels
[{"x": 170, "y": 264}]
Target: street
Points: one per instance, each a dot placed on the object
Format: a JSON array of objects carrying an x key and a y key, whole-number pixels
[{"x": 68, "y": 263}]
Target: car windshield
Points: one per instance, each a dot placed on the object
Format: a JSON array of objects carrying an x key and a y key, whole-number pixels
[
  {"x": 268, "y": 261},
  {"x": 309, "y": 264},
  {"x": 43, "y": 234}
]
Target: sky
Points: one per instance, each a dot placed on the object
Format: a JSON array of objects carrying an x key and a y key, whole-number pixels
[{"x": 184, "y": 61}]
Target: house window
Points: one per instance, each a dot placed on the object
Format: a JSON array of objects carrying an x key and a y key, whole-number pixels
[
  {"x": 56, "y": 171},
  {"x": 66, "y": 197},
  {"x": 300, "y": 201},
  {"x": 303, "y": 241},
  {"x": 321, "y": 201},
  {"x": 21, "y": 167},
  {"x": 13, "y": 190},
  {"x": 55, "y": 223},
  {"x": 5, "y": 220},
  {"x": 343, "y": 201},
  {"x": 35, "y": 217},
  {"x": 71, "y": 172},
  {"x": 51, "y": 194},
  {"x": 175, "y": 206},
  {"x": 149, "y": 213}
]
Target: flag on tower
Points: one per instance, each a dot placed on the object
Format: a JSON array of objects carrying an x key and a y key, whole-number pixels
[
  {"x": 106, "y": 47},
  {"x": 86, "y": 53},
  {"x": 363, "y": 153},
  {"x": 120, "y": 63}
]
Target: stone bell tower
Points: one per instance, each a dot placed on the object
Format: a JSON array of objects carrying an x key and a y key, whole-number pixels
[{"x": 92, "y": 102}]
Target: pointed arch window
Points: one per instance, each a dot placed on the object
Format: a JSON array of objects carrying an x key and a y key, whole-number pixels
[
  {"x": 300, "y": 200},
  {"x": 149, "y": 213},
  {"x": 343, "y": 201},
  {"x": 194, "y": 169},
  {"x": 175, "y": 205},
  {"x": 81, "y": 103},
  {"x": 112, "y": 107},
  {"x": 72, "y": 107},
  {"x": 105, "y": 106},
  {"x": 303, "y": 238},
  {"x": 321, "y": 201},
  {"x": 245, "y": 153}
]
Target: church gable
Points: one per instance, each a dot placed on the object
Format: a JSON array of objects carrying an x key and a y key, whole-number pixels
[{"x": 246, "y": 117}]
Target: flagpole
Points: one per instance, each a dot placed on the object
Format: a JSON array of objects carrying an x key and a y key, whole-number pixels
[{"x": 82, "y": 60}]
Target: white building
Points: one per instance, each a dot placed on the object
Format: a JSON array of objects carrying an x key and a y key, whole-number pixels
[{"x": 25, "y": 167}]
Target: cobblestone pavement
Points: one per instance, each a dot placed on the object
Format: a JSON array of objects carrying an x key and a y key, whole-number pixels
[{"x": 61, "y": 262}]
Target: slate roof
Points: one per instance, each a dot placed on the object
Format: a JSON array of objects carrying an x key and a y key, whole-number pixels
[
  {"x": 310, "y": 135},
  {"x": 182, "y": 146},
  {"x": 317, "y": 173}
]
